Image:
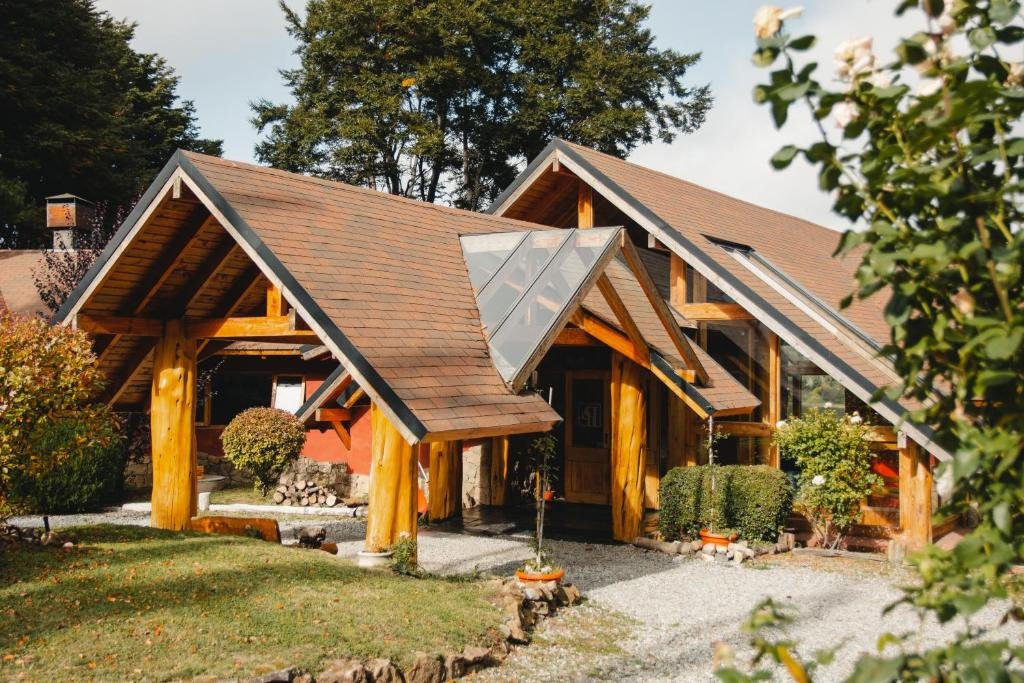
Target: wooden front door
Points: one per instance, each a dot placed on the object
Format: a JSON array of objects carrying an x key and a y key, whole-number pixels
[{"x": 587, "y": 471}]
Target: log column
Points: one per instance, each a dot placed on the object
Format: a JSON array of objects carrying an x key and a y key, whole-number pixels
[
  {"x": 172, "y": 422},
  {"x": 445, "y": 500},
  {"x": 915, "y": 495},
  {"x": 681, "y": 449},
  {"x": 499, "y": 470},
  {"x": 393, "y": 485},
  {"x": 629, "y": 436}
]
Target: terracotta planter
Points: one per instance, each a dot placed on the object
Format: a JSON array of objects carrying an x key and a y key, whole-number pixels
[
  {"x": 549, "y": 495},
  {"x": 707, "y": 538},
  {"x": 537, "y": 576}
]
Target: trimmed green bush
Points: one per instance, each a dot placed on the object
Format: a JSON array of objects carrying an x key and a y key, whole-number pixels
[
  {"x": 89, "y": 457},
  {"x": 262, "y": 441},
  {"x": 752, "y": 500}
]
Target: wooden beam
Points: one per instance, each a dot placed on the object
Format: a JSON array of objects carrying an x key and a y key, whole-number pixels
[
  {"x": 119, "y": 325},
  {"x": 276, "y": 305},
  {"x": 677, "y": 281},
  {"x": 489, "y": 432},
  {"x": 117, "y": 385},
  {"x": 755, "y": 429},
  {"x": 211, "y": 269},
  {"x": 393, "y": 485},
  {"x": 356, "y": 395},
  {"x": 584, "y": 206},
  {"x": 445, "y": 480},
  {"x": 773, "y": 411},
  {"x": 706, "y": 311},
  {"x": 344, "y": 434},
  {"x": 230, "y": 304},
  {"x": 268, "y": 327},
  {"x": 172, "y": 424},
  {"x": 572, "y": 336},
  {"x": 169, "y": 260},
  {"x": 611, "y": 337},
  {"x": 628, "y": 444},
  {"x": 915, "y": 486},
  {"x": 333, "y": 415},
  {"x": 316, "y": 352},
  {"x": 499, "y": 470},
  {"x": 661, "y": 308},
  {"x": 622, "y": 314}
]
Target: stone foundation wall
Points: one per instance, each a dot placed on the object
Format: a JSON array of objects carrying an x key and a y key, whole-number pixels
[
  {"x": 476, "y": 472},
  {"x": 138, "y": 474},
  {"x": 331, "y": 477}
]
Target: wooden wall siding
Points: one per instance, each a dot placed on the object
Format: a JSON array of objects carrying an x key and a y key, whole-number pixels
[
  {"x": 499, "y": 470},
  {"x": 445, "y": 495},
  {"x": 393, "y": 485},
  {"x": 172, "y": 424},
  {"x": 628, "y": 440},
  {"x": 915, "y": 496}
]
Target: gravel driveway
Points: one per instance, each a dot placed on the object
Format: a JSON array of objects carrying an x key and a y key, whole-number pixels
[{"x": 666, "y": 613}]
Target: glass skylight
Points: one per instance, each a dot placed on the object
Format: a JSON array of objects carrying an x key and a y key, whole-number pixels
[{"x": 525, "y": 292}]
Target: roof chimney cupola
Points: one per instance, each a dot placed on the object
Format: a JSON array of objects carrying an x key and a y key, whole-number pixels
[{"x": 68, "y": 217}]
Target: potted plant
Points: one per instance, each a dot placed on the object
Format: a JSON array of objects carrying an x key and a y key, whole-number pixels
[
  {"x": 539, "y": 567},
  {"x": 712, "y": 535}
]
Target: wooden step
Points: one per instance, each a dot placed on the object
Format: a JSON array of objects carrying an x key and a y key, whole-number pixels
[{"x": 863, "y": 544}]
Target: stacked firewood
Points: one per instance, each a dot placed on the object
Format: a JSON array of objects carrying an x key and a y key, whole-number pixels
[{"x": 299, "y": 491}]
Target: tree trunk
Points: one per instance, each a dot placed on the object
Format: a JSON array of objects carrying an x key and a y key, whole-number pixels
[
  {"x": 172, "y": 422},
  {"x": 445, "y": 500},
  {"x": 629, "y": 436}
]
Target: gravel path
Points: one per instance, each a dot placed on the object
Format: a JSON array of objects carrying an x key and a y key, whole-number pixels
[
  {"x": 676, "y": 609},
  {"x": 650, "y": 616}
]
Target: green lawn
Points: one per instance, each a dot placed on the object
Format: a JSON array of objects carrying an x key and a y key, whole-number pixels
[
  {"x": 132, "y": 603},
  {"x": 240, "y": 494}
]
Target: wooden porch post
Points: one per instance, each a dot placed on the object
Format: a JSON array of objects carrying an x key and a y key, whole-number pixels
[
  {"x": 393, "y": 485},
  {"x": 445, "y": 499},
  {"x": 681, "y": 450},
  {"x": 629, "y": 436},
  {"x": 172, "y": 423},
  {"x": 915, "y": 494},
  {"x": 773, "y": 411},
  {"x": 499, "y": 470}
]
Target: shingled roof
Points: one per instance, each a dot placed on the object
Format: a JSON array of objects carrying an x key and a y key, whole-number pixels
[
  {"x": 18, "y": 293},
  {"x": 790, "y": 281},
  {"x": 380, "y": 279}
]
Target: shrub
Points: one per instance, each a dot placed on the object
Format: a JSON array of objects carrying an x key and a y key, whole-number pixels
[
  {"x": 47, "y": 374},
  {"x": 262, "y": 441},
  {"x": 403, "y": 556},
  {"x": 834, "y": 462},
  {"x": 88, "y": 460},
  {"x": 751, "y": 500}
]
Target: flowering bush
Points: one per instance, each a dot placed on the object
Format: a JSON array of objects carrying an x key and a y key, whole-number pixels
[
  {"x": 48, "y": 375},
  {"x": 262, "y": 441},
  {"x": 834, "y": 462}
]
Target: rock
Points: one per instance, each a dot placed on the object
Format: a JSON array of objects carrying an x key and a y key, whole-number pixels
[
  {"x": 383, "y": 671},
  {"x": 311, "y": 536},
  {"x": 542, "y": 608},
  {"x": 896, "y": 551},
  {"x": 53, "y": 539},
  {"x": 696, "y": 545},
  {"x": 572, "y": 593},
  {"x": 707, "y": 557},
  {"x": 721, "y": 549},
  {"x": 344, "y": 671},
  {"x": 426, "y": 669},
  {"x": 738, "y": 559},
  {"x": 279, "y": 676},
  {"x": 729, "y": 554},
  {"x": 455, "y": 666},
  {"x": 561, "y": 598},
  {"x": 787, "y": 541},
  {"x": 708, "y": 549},
  {"x": 533, "y": 593},
  {"x": 476, "y": 658},
  {"x": 303, "y": 678}
]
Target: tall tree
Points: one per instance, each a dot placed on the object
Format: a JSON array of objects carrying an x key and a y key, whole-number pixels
[
  {"x": 445, "y": 99},
  {"x": 83, "y": 112}
]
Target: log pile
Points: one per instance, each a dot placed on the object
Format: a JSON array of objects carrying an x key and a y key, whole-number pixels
[{"x": 298, "y": 491}]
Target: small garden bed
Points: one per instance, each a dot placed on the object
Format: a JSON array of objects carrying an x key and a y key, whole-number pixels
[{"x": 129, "y": 602}]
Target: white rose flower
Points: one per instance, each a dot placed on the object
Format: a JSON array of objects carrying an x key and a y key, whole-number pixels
[
  {"x": 856, "y": 419},
  {"x": 845, "y": 113},
  {"x": 1016, "y": 76},
  {"x": 768, "y": 19},
  {"x": 944, "y": 483},
  {"x": 928, "y": 86},
  {"x": 818, "y": 480},
  {"x": 780, "y": 424},
  {"x": 828, "y": 405},
  {"x": 880, "y": 79},
  {"x": 854, "y": 58},
  {"x": 946, "y": 21}
]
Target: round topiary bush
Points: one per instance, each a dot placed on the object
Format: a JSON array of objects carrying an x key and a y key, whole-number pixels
[{"x": 262, "y": 441}]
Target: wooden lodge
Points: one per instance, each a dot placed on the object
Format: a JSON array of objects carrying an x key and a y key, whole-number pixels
[{"x": 627, "y": 310}]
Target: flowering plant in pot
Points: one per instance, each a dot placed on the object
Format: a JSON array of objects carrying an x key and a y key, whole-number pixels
[
  {"x": 539, "y": 567},
  {"x": 714, "y": 533}
]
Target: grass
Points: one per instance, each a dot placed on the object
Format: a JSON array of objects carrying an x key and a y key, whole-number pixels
[
  {"x": 128, "y": 603},
  {"x": 240, "y": 494}
]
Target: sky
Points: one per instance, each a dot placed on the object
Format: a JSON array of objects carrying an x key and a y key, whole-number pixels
[{"x": 228, "y": 53}]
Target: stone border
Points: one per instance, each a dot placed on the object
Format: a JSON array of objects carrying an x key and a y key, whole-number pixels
[{"x": 737, "y": 553}]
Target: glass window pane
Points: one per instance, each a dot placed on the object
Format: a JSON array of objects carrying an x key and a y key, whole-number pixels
[
  {"x": 485, "y": 254},
  {"x": 288, "y": 394},
  {"x": 588, "y": 408},
  {"x": 806, "y": 387},
  {"x": 234, "y": 392},
  {"x": 521, "y": 269}
]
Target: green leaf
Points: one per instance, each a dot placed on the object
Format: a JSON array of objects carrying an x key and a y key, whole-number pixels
[
  {"x": 1001, "y": 517},
  {"x": 765, "y": 56},
  {"x": 793, "y": 91},
  {"x": 803, "y": 43},
  {"x": 982, "y": 37},
  {"x": 760, "y": 94},
  {"x": 1002, "y": 11},
  {"x": 889, "y": 92},
  {"x": 784, "y": 157},
  {"x": 1002, "y": 347},
  {"x": 933, "y": 8}
]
